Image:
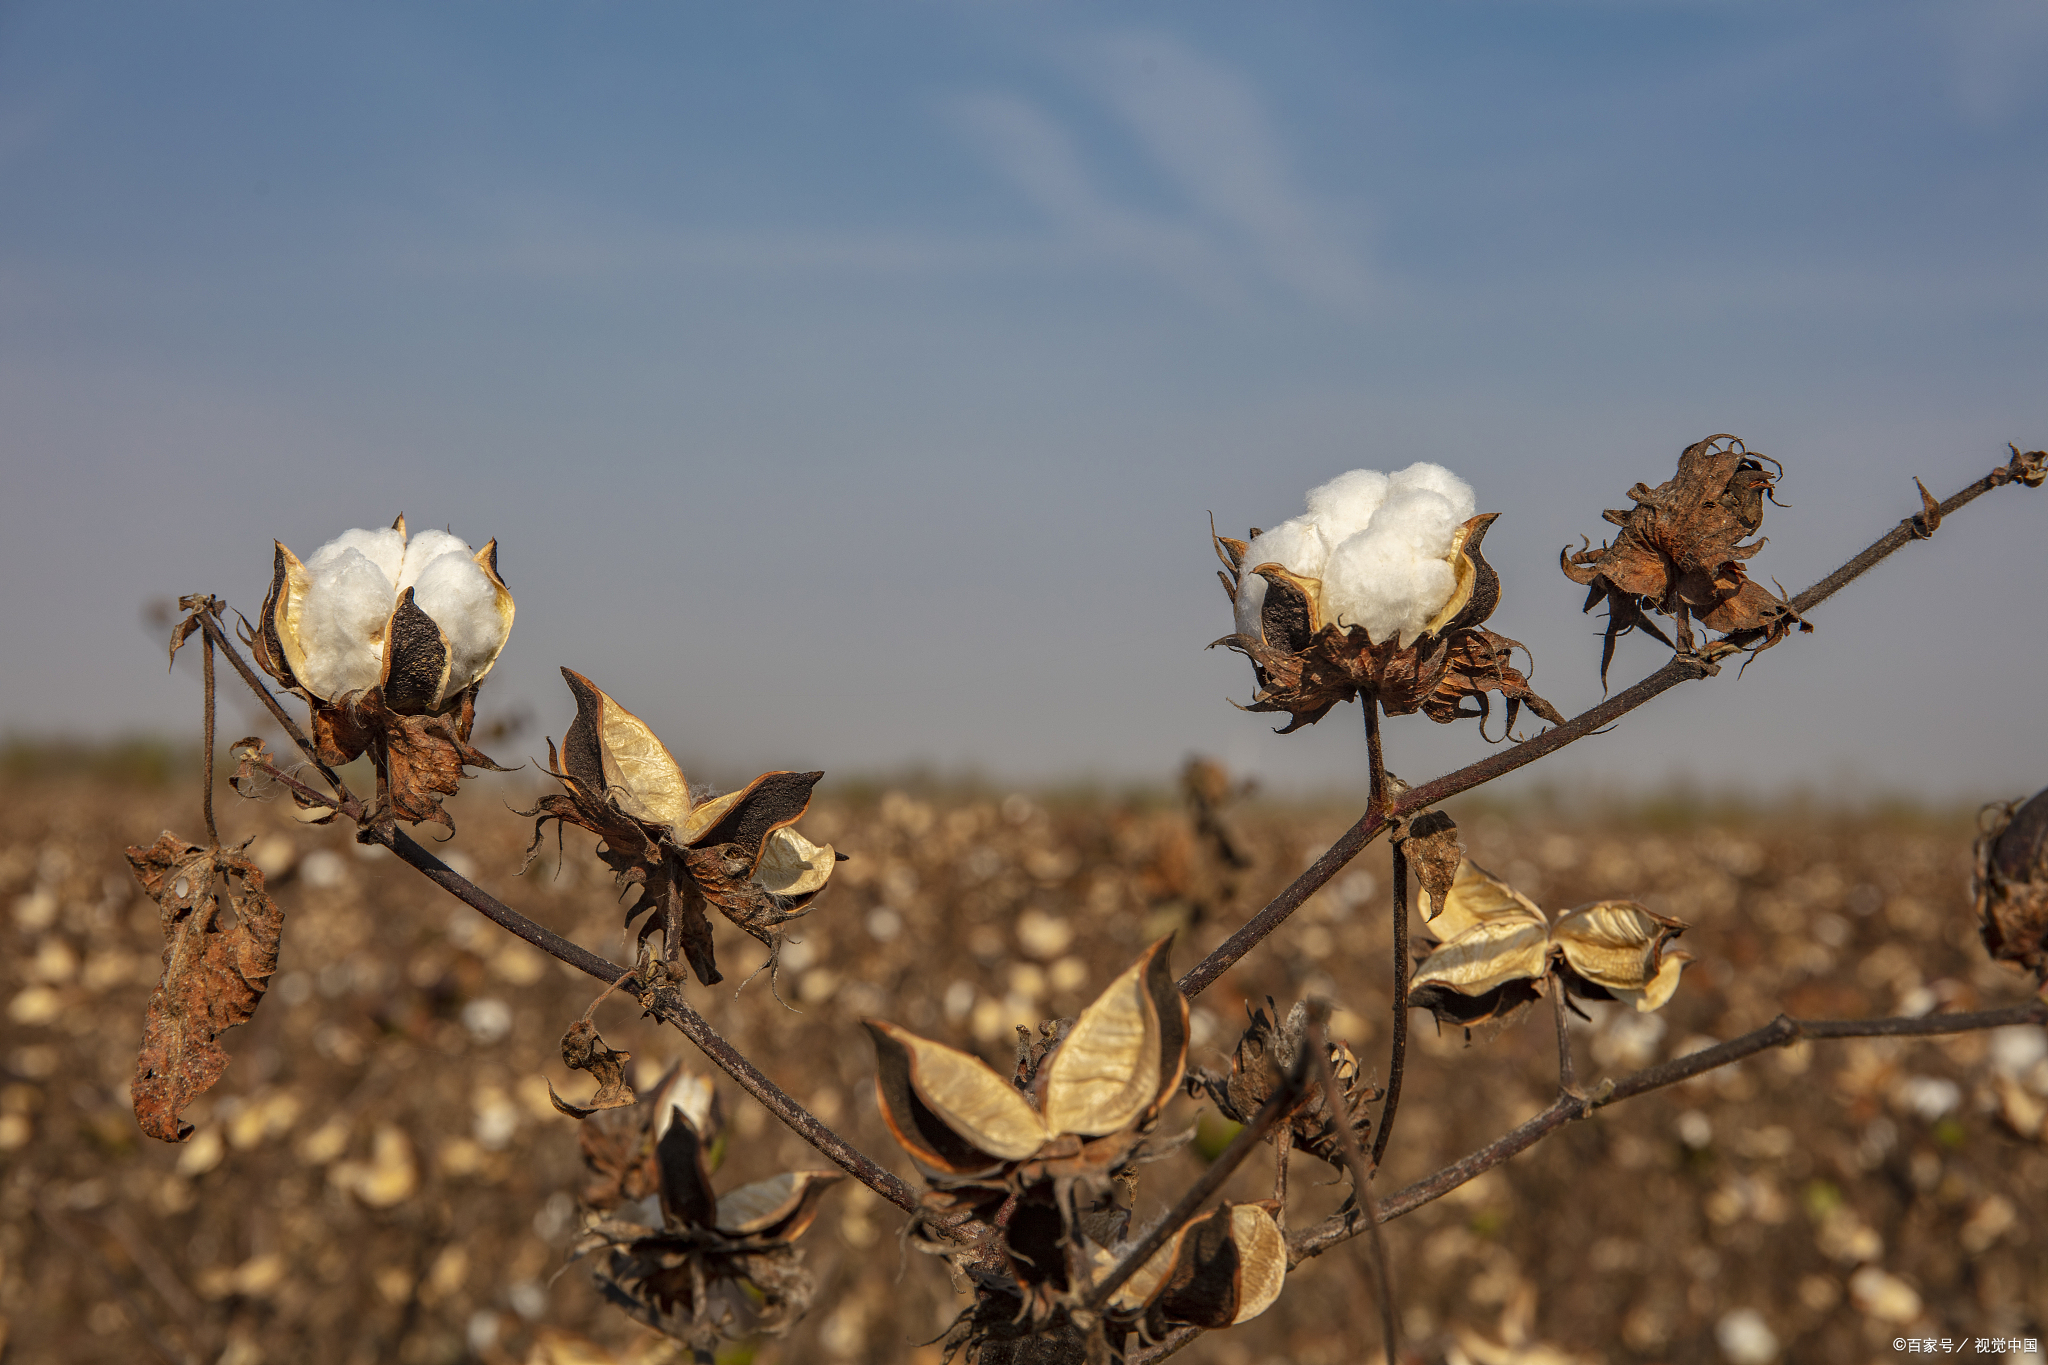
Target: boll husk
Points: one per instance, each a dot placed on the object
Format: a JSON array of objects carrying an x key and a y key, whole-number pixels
[
  {"x": 1031, "y": 1174},
  {"x": 738, "y": 852},
  {"x": 1681, "y": 553},
  {"x": 2010, "y": 883},
  {"x": 1379, "y": 589},
  {"x": 679, "y": 1257},
  {"x": 1496, "y": 950},
  {"x": 423, "y": 621},
  {"x": 388, "y": 640}
]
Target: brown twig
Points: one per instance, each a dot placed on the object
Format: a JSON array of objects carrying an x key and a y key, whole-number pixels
[
  {"x": 1221, "y": 1169},
  {"x": 1398, "y": 1056},
  {"x": 212, "y": 832},
  {"x": 1567, "y": 1077},
  {"x": 1780, "y": 1032},
  {"x": 1361, "y": 1192},
  {"x": 283, "y": 717}
]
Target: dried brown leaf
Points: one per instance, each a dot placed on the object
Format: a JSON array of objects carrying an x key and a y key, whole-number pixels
[
  {"x": 221, "y": 935},
  {"x": 584, "y": 1050}
]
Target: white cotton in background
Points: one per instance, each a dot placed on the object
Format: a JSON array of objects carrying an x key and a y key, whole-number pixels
[
  {"x": 385, "y": 549},
  {"x": 1436, "y": 479},
  {"x": 1396, "y": 574},
  {"x": 1296, "y": 545},
  {"x": 424, "y": 549},
  {"x": 341, "y": 625},
  {"x": 1341, "y": 508},
  {"x": 463, "y": 602}
]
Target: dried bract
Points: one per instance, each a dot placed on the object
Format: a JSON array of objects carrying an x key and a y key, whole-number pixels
[
  {"x": 682, "y": 1259},
  {"x": 735, "y": 851},
  {"x": 1308, "y": 655},
  {"x": 2010, "y": 883},
  {"x": 220, "y": 949},
  {"x": 388, "y": 641},
  {"x": 1266, "y": 1055},
  {"x": 1681, "y": 553},
  {"x": 584, "y": 1050},
  {"x": 1056, "y": 1160},
  {"x": 1496, "y": 951}
]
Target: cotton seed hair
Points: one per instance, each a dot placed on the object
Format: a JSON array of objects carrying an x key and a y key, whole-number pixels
[{"x": 1380, "y": 544}]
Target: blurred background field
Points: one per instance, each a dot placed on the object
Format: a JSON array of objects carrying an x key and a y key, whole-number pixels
[{"x": 380, "y": 1175}]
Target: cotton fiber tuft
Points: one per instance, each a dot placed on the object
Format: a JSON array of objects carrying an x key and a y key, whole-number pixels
[
  {"x": 1380, "y": 545},
  {"x": 342, "y": 624},
  {"x": 464, "y": 603},
  {"x": 424, "y": 549}
]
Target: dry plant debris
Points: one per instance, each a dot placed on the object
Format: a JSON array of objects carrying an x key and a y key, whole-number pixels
[{"x": 2010, "y": 883}]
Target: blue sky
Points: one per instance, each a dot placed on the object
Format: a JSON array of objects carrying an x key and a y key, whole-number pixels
[{"x": 849, "y": 386}]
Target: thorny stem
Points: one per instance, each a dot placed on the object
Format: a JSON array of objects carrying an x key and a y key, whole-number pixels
[
  {"x": 212, "y": 833},
  {"x": 1398, "y": 1062},
  {"x": 1907, "y": 530},
  {"x": 1248, "y": 1137},
  {"x": 1681, "y": 668},
  {"x": 1361, "y": 1192}
]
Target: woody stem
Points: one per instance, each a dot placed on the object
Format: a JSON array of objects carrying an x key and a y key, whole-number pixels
[
  {"x": 1567, "y": 1079},
  {"x": 1347, "y": 1142},
  {"x": 212, "y": 833},
  {"x": 1398, "y": 1063}
]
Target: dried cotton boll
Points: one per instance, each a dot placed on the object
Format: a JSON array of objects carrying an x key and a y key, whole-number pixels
[
  {"x": 384, "y": 548},
  {"x": 342, "y": 623},
  {"x": 1296, "y": 545},
  {"x": 1434, "y": 478},
  {"x": 1342, "y": 507},
  {"x": 1395, "y": 575},
  {"x": 425, "y": 548},
  {"x": 462, "y": 601}
]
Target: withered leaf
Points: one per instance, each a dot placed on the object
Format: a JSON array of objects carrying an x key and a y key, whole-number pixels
[
  {"x": 584, "y": 1050},
  {"x": 1266, "y": 1055},
  {"x": 1432, "y": 848},
  {"x": 221, "y": 935}
]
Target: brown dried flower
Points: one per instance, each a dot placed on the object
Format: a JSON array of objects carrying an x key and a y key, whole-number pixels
[
  {"x": 1307, "y": 662},
  {"x": 1497, "y": 951},
  {"x": 1680, "y": 552},
  {"x": 735, "y": 851},
  {"x": 685, "y": 1261},
  {"x": 388, "y": 642},
  {"x": 2010, "y": 883}
]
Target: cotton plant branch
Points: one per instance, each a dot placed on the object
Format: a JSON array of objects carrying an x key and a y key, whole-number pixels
[
  {"x": 2024, "y": 468},
  {"x": 664, "y": 1002},
  {"x": 1782, "y": 1031},
  {"x": 1361, "y": 1190}
]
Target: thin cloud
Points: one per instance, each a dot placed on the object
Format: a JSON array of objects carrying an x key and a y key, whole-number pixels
[
  {"x": 1207, "y": 127},
  {"x": 1039, "y": 157}
]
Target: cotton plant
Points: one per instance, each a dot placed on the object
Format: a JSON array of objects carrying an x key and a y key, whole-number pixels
[
  {"x": 388, "y": 638},
  {"x": 1378, "y": 589}
]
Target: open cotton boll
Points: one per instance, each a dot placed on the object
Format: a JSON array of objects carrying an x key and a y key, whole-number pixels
[
  {"x": 341, "y": 626},
  {"x": 1436, "y": 479},
  {"x": 1341, "y": 508},
  {"x": 463, "y": 602},
  {"x": 385, "y": 549},
  {"x": 1296, "y": 545},
  {"x": 1396, "y": 574},
  {"x": 424, "y": 549}
]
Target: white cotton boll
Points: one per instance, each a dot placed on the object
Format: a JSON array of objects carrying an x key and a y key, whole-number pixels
[
  {"x": 1342, "y": 507},
  {"x": 426, "y": 547},
  {"x": 1295, "y": 545},
  {"x": 385, "y": 549},
  {"x": 1440, "y": 481},
  {"x": 341, "y": 626},
  {"x": 463, "y": 602},
  {"x": 1396, "y": 574}
]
